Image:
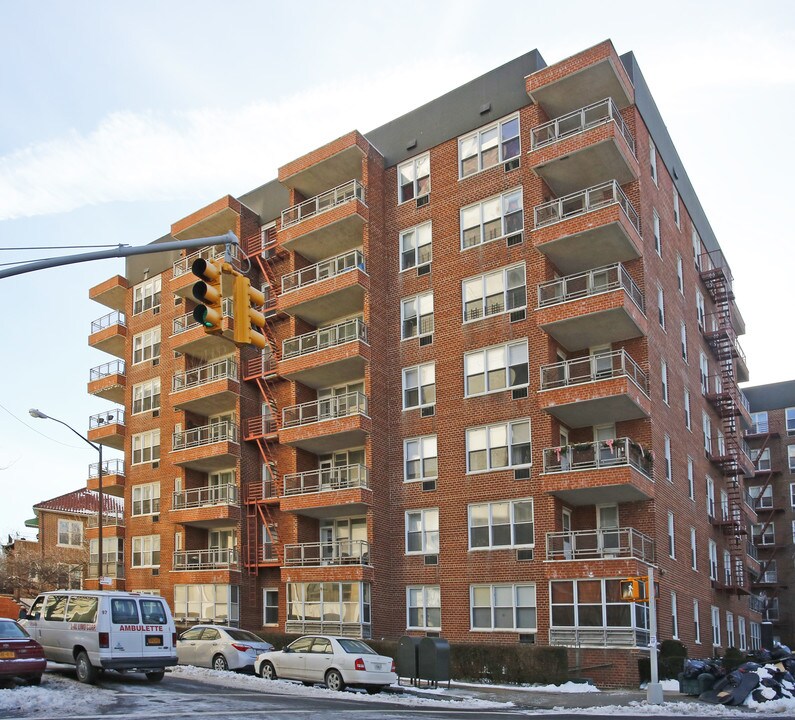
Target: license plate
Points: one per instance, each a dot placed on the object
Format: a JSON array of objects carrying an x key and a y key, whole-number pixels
[
  {"x": 6, "y": 654},
  {"x": 154, "y": 640},
  {"x": 379, "y": 666}
]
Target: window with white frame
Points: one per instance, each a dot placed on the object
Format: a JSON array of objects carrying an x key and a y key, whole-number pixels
[
  {"x": 661, "y": 307},
  {"x": 504, "y": 524},
  {"x": 715, "y": 614},
  {"x": 683, "y": 339},
  {"x": 671, "y": 542},
  {"x": 146, "y": 396},
  {"x": 207, "y": 603},
  {"x": 146, "y": 551},
  {"x": 696, "y": 623},
  {"x": 691, "y": 485},
  {"x": 710, "y": 497},
  {"x": 146, "y": 345},
  {"x": 677, "y": 218},
  {"x": 423, "y": 607},
  {"x": 756, "y": 635},
  {"x": 503, "y": 607},
  {"x": 674, "y": 617},
  {"x": 770, "y": 575},
  {"x": 664, "y": 380},
  {"x": 680, "y": 279},
  {"x": 416, "y": 246},
  {"x": 759, "y": 423},
  {"x": 763, "y": 533},
  {"x": 270, "y": 606},
  {"x": 70, "y": 533},
  {"x": 657, "y": 236},
  {"x": 669, "y": 475},
  {"x": 695, "y": 241},
  {"x": 492, "y": 219},
  {"x": 701, "y": 310},
  {"x": 688, "y": 420},
  {"x": 420, "y": 458},
  {"x": 793, "y": 531},
  {"x": 496, "y": 368},
  {"x": 761, "y": 460},
  {"x": 416, "y": 316},
  {"x": 789, "y": 417},
  {"x": 419, "y": 386},
  {"x": 729, "y": 629},
  {"x": 500, "y": 446},
  {"x": 727, "y": 568},
  {"x": 792, "y": 494},
  {"x": 488, "y": 146},
  {"x": 146, "y": 295},
  {"x": 422, "y": 531},
  {"x": 741, "y": 634},
  {"x": 414, "y": 178},
  {"x": 703, "y": 367},
  {"x": 653, "y": 161},
  {"x": 706, "y": 426},
  {"x": 693, "y": 549},
  {"x": 791, "y": 458},
  {"x": 146, "y": 447},
  {"x": 762, "y": 496},
  {"x": 713, "y": 560},
  {"x": 497, "y": 292},
  {"x": 146, "y": 499}
]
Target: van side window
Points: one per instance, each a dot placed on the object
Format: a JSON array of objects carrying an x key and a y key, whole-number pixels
[
  {"x": 82, "y": 609},
  {"x": 152, "y": 612},
  {"x": 55, "y": 607},
  {"x": 35, "y": 610},
  {"x": 123, "y": 611}
]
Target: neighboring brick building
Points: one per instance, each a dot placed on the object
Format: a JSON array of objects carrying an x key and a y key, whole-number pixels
[
  {"x": 502, "y": 375},
  {"x": 772, "y": 441}
]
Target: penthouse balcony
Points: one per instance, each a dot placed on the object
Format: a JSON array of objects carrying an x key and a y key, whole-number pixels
[
  {"x": 328, "y": 356},
  {"x": 588, "y": 228},
  {"x": 604, "y": 471},
  {"x": 188, "y": 335},
  {"x": 596, "y": 389},
  {"x": 206, "y": 507},
  {"x": 183, "y": 279},
  {"x": 328, "y": 491},
  {"x": 598, "y": 544},
  {"x": 584, "y": 148},
  {"x": 596, "y": 307},
  {"x": 329, "y": 223},
  {"x": 329, "y": 289},
  {"x": 323, "y": 426},
  {"x": 109, "y": 333},
  {"x": 107, "y": 428},
  {"x": 113, "y": 480},
  {"x": 112, "y": 292},
  {"x": 336, "y": 552},
  {"x": 210, "y": 559},
  {"x": 207, "y": 448},
  {"x": 108, "y": 381},
  {"x": 207, "y": 389}
]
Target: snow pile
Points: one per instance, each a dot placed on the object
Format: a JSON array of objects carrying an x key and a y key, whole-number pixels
[
  {"x": 56, "y": 696},
  {"x": 567, "y": 687}
]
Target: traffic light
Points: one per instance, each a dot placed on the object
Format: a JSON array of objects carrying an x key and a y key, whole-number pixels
[
  {"x": 208, "y": 292},
  {"x": 636, "y": 589},
  {"x": 248, "y": 320}
]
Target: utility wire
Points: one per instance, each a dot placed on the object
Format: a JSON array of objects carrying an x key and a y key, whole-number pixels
[{"x": 76, "y": 447}]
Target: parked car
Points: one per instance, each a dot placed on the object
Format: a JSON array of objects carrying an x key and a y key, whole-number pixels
[
  {"x": 20, "y": 655},
  {"x": 220, "y": 647},
  {"x": 336, "y": 661}
]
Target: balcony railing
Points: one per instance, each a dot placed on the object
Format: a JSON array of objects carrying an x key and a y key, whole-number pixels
[
  {"x": 599, "y": 637},
  {"x": 354, "y": 403},
  {"x": 598, "y": 455},
  {"x": 345, "y": 477},
  {"x": 327, "y": 627},
  {"x": 623, "y": 542},
  {"x": 205, "y": 559},
  {"x": 186, "y": 322},
  {"x": 592, "y": 369},
  {"x": 221, "y": 370},
  {"x": 579, "y": 121},
  {"x": 114, "y": 367},
  {"x": 338, "y": 552},
  {"x": 109, "y": 320},
  {"x": 751, "y": 550},
  {"x": 109, "y": 467},
  {"x": 585, "y": 201},
  {"x": 591, "y": 282},
  {"x": 205, "y": 497},
  {"x": 108, "y": 520},
  {"x": 323, "y": 203},
  {"x": 110, "y": 417},
  {"x": 205, "y": 435},
  {"x": 326, "y": 337},
  {"x": 323, "y": 270},
  {"x": 183, "y": 265}
]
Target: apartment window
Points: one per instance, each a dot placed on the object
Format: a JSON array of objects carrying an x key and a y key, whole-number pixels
[
  {"x": 756, "y": 636},
  {"x": 763, "y": 533},
  {"x": 495, "y": 447},
  {"x": 706, "y": 426},
  {"x": 671, "y": 544},
  {"x": 683, "y": 338},
  {"x": 691, "y": 485},
  {"x": 414, "y": 178},
  {"x": 422, "y": 531},
  {"x": 496, "y": 368},
  {"x": 270, "y": 606},
  {"x": 146, "y": 499},
  {"x": 207, "y": 603},
  {"x": 727, "y": 568},
  {"x": 710, "y": 497},
  {"x": 674, "y": 618},
  {"x": 791, "y": 457},
  {"x": 501, "y": 524},
  {"x": 415, "y": 246},
  {"x": 70, "y": 533},
  {"x": 664, "y": 379},
  {"x": 770, "y": 575},
  {"x": 669, "y": 475},
  {"x": 661, "y": 307},
  {"x": 416, "y": 316},
  {"x": 693, "y": 549},
  {"x": 146, "y": 551},
  {"x": 146, "y": 396},
  {"x": 146, "y": 447},
  {"x": 112, "y": 553},
  {"x": 419, "y": 386},
  {"x": 653, "y": 161},
  {"x": 146, "y": 345},
  {"x": 657, "y": 237},
  {"x": 419, "y": 458},
  {"x": 695, "y": 241},
  {"x": 713, "y": 560},
  {"x": 715, "y": 626},
  {"x": 743, "y": 640},
  {"x": 489, "y": 146},
  {"x": 688, "y": 420},
  {"x": 729, "y": 629},
  {"x": 762, "y": 496},
  {"x": 146, "y": 295},
  {"x": 703, "y": 366},
  {"x": 761, "y": 460},
  {"x": 492, "y": 219},
  {"x": 696, "y": 623},
  {"x": 503, "y": 607},
  {"x": 497, "y": 292},
  {"x": 677, "y": 218},
  {"x": 789, "y": 415},
  {"x": 792, "y": 494},
  {"x": 759, "y": 423},
  {"x": 701, "y": 311},
  {"x": 424, "y": 607},
  {"x": 793, "y": 531},
  {"x": 680, "y": 278}
]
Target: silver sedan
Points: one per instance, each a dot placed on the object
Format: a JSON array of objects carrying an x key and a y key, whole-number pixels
[{"x": 220, "y": 647}]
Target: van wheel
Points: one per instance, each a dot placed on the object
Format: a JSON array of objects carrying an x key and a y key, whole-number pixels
[
  {"x": 334, "y": 680},
  {"x": 155, "y": 676},
  {"x": 86, "y": 672},
  {"x": 220, "y": 663}
]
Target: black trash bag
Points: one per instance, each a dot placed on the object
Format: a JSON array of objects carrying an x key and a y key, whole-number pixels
[{"x": 694, "y": 668}]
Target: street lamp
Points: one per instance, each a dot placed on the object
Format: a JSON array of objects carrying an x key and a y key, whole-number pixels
[{"x": 98, "y": 447}]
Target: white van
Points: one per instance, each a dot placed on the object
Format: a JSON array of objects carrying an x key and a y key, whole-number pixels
[{"x": 104, "y": 630}]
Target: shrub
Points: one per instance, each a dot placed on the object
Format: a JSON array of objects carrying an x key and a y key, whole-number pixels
[{"x": 511, "y": 664}]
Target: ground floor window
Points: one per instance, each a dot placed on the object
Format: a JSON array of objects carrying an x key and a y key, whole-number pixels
[
  {"x": 328, "y": 606},
  {"x": 503, "y": 607},
  {"x": 270, "y": 604},
  {"x": 207, "y": 603},
  {"x": 756, "y": 635},
  {"x": 424, "y": 607}
]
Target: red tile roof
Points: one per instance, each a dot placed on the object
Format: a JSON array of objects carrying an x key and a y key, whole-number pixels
[{"x": 81, "y": 502}]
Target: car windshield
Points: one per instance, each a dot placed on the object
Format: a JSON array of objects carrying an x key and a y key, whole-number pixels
[
  {"x": 9, "y": 630},
  {"x": 356, "y": 647},
  {"x": 244, "y": 635}
]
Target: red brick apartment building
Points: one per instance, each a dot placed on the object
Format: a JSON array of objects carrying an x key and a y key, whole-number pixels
[{"x": 501, "y": 375}]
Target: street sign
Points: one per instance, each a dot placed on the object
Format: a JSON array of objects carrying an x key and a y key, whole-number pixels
[{"x": 104, "y": 580}]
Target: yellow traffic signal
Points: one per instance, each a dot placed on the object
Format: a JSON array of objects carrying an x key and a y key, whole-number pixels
[
  {"x": 248, "y": 320},
  {"x": 635, "y": 589},
  {"x": 209, "y": 293}
]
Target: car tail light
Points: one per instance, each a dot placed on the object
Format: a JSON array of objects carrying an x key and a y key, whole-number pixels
[
  {"x": 104, "y": 640},
  {"x": 359, "y": 664},
  {"x": 242, "y": 648},
  {"x": 393, "y": 666},
  {"x": 173, "y": 639}
]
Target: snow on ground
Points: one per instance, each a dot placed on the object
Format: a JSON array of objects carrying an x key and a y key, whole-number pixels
[
  {"x": 56, "y": 696},
  {"x": 567, "y": 687}
]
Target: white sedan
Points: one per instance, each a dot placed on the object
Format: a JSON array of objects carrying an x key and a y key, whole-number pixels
[
  {"x": 336, "y": 661},
  {"x": 220, "y": 647}
]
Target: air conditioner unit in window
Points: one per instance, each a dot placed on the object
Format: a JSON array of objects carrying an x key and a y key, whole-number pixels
[
  {"x": 527, "y": 638},
  {"x": 518, "y": 315},
  {"x": 156, "y": 464},
  {"x": 155, "y": 571},
  {"x": 155, "y": 518},
  {"x": 155, "y": 362},
  {"x": 177, "y": 300},
  {"x": 511, "y": 165},
  {"x": 155, "y": 413},
  {"x": 423, "y": 269},
  {"x": 177, "y": 354},
  {"x": 428, "y": 411},
  {"x": 519, "y": 393},
  {"x": 524, "y": 554},
  {"x": 423, "y": 200},
  {"x": 156, "y": 310},
  {"x": 428, "y": 485},
  {"x": 515, "y": 239},
  {"x": 431, "y": 559},
  {"x": 521, "y": 474},
  {"x": 426, "y": 340}
]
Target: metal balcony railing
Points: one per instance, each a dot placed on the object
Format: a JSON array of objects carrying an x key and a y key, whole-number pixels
[
  {"x": 322, "y": 203},
  {"x": 183, "y": 265},
  {"x": 592, "y": 369},
  {"x": 205, "y": 435},
  {"x": 337, "y": 552},
  {"x": 323, "y": 270},
  {"x": 114, "y": 416},
  {"x": 210, "y": 559},
  {"x": 205, "y": 497},
  {"x": 109, "y": 320},
  {"x": 598, "y": 455},
  {"x": 109, "y": 467},
  {"x": 354, "y": 403},
  {"x": 326, "y": 337},
  {"x": 345, "y": 477},
  {"x": 108, "y": 520},
  {"x": 751, "y": 550},
  {"x": 590, "y": 282},
  {"x": 114, "y": 367},
  {"x": 585, "y": 201},
  {"x": 595, "y": 544},
  {"x": 579, "y": 121},
  {"x": 225, "y": 369}
]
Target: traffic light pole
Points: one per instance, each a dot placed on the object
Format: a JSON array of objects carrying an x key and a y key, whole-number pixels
[{"x": 654, "y": 692}]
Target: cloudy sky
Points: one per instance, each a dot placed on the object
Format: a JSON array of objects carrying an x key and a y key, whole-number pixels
[{"x": 117, "y": 119}]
